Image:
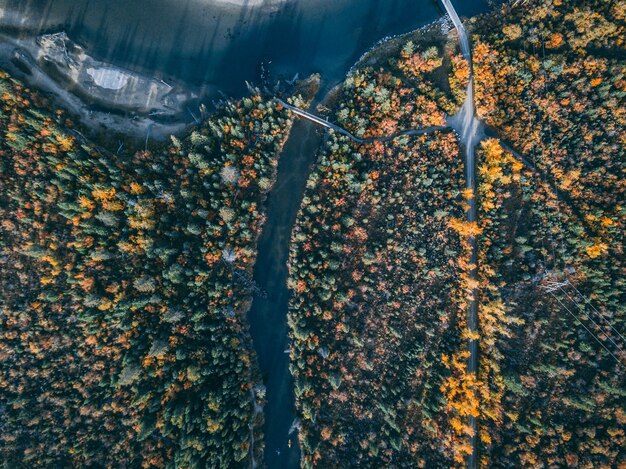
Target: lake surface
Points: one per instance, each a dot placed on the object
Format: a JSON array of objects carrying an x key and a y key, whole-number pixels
[{"x": 222, "y": 43}]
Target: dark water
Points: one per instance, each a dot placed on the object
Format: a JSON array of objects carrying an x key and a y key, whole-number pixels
[
  {"x": 216, "y": 43},
  {"x": 268, "y": 316}
]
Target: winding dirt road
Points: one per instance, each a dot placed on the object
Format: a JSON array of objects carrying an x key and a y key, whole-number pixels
[{"x": 329, "y": 125}]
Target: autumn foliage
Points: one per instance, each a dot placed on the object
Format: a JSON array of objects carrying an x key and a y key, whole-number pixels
[{"x": 124, "y": 287}]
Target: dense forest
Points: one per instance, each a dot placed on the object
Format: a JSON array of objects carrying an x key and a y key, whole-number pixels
[
  {"x": 554, "y": 396},
  {"x": 125, "y": 277},
  {"x": 551, "y": 84},
  {"x": 125, "y": 281},
  {"x": 377, "y": 269},
  {"x": 379, "y": 257}
]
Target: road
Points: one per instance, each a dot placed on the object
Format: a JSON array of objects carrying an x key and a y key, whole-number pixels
[
  {"x": 329, "y": 125},
  {"x": 471, "y": 132}
]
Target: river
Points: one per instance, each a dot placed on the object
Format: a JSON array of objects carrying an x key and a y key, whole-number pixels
[{"x": 268, "y": 315}]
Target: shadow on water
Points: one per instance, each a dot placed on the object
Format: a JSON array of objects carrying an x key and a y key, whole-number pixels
[{"x": 216, "y": 43}]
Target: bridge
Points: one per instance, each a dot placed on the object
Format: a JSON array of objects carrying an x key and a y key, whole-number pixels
[
  {"x": 320, "y": 121},
  {"x": 329, "y": 125}
]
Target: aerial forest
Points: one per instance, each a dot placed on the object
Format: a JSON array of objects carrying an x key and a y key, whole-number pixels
[
  {"x": 379, "y": 273},
  {"x": 125, "y": 281},
  {"x": 551, "y": 84},
  {"x": 380, "y": 256},
  {"x": 126, "y": 273}
]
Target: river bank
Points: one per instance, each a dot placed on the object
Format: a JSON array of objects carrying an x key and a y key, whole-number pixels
[{"x": 103, "y": 98}]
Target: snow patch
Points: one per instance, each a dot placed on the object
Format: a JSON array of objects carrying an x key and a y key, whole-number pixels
[
  {"x": 108, "y": 78},
  {"x": 250, "y": 3}
]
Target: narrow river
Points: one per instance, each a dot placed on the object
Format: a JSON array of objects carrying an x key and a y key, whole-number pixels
[{"x": 268, "y": 315}]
